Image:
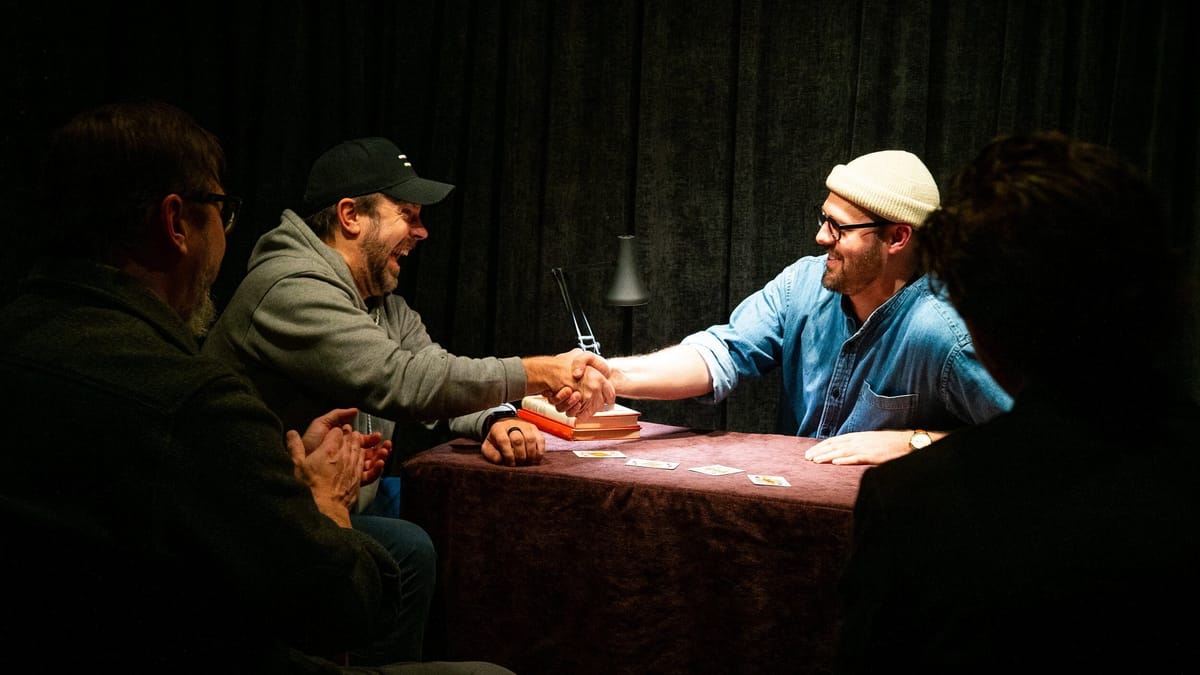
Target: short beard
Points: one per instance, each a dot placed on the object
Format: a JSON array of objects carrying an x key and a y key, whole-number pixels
[
  {"x": 202, "y": 310},
  {"x": 204, "y": 314},
  {"x": 377, "y": 257},
  {"x": 856, "y": 273}
]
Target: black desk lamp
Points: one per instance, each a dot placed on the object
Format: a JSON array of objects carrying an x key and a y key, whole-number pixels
[{"x": 626, "y": 290}]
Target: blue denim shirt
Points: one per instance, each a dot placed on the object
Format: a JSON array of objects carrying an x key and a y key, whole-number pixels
[{"x": 911, "y": 364}]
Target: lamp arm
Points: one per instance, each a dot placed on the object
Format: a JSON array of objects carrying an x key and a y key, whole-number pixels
[{"x": 587, "y": 341}]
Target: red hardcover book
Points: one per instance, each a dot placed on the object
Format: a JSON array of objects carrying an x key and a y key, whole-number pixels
[{"x": 561, "y": 430}]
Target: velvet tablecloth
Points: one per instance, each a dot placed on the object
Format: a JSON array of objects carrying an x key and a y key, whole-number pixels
[{"x": 587, "y": 565}]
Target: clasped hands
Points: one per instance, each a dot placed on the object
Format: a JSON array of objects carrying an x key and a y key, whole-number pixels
[
  {"x": 583, "y": 388},
  {"x": 576, "y": 382},
  {"x": 334, "y": 460}
]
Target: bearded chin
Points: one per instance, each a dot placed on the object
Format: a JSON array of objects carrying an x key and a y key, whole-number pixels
[
  {"x": 831, "y": 281},
  {"x": 203, "y": 310},
  {"x": 388, "y": 282},
  {"x": 377, "y": 260},
  {"x": 203, "y": 315}
]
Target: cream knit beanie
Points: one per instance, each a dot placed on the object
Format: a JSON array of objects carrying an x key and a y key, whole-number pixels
[{"x": 893, "y": 184}]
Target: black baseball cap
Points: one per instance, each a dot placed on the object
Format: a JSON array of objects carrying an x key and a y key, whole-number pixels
[{"x": 367, "y": 165}]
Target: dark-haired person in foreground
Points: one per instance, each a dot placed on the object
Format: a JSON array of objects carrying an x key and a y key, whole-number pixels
[
  {"x": 1062, "y": 536},
  {"x": 156, "y": 519}
]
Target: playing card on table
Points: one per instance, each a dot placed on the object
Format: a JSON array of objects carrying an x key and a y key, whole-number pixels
[
  {"x": 760, "y": 479},
  {"x": 716, "y": 469},
  {"x": 652, "y": 463},
  {"x": 599, "y": 453}
]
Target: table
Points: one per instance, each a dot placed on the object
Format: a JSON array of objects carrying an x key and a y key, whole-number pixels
[{"x": 587, "y": 565}]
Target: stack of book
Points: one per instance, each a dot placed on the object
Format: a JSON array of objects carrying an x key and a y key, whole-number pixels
[{"x": 617, "y": 423}]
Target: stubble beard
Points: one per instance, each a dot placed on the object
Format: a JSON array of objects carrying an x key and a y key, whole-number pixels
[
  {"x": 377, "y": 257},
  {"x": 856, "y": 273},
  {"x": 831, "y": 280},
  {"x": 203, "y": 309}
]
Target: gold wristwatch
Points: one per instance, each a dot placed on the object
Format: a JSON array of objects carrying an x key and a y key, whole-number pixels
[{"x": 919, "y": 439}]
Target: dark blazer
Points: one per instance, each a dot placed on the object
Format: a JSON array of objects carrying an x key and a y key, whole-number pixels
[
  {"x": 152, "y": 519},
  {"x": 1059, "y": 537}
]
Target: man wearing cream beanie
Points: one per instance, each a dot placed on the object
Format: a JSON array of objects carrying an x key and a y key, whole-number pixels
[{"x": 874, "y": 362}]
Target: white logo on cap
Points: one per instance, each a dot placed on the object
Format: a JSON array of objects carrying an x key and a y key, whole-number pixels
[{"x": 404, "y": 157}]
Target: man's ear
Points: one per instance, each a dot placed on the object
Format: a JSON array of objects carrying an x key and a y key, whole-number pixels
[
  {"x": 167, "y": 227},
  {"x": 350, "y": 218},
  {"x": 899, "y": 235}
]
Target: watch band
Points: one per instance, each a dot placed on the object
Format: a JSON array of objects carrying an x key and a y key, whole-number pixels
[{"x": 498, "y": 413}]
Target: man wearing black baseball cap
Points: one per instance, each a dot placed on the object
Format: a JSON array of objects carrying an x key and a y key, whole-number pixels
[
  {"x": 368, "y": 165},
  {"x": 315, "y": 321}
]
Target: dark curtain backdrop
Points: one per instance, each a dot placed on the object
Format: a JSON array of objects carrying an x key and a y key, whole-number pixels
[{"x": 705, "y": 128}]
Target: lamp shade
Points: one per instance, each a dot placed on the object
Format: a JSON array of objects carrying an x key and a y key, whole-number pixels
[{"x": 627, "y": 289}]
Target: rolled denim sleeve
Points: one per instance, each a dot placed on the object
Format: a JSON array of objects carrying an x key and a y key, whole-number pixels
[{"x": 720, "y": 365}]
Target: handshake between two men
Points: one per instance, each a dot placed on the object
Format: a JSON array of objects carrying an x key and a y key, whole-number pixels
[
  {"x": 576, "y": 382},
  {"x": 334, "y": 460}
]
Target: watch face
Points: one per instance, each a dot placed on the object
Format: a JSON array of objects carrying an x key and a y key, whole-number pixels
[{"x": 919, "y": 440}]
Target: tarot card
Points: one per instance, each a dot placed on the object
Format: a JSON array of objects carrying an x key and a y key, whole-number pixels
[
  {"x": 599, "y": 453},
  {"x": 652, "y": 463},
  {"x": 716, "y": 470},
  {"x": 761, "y": 479}
]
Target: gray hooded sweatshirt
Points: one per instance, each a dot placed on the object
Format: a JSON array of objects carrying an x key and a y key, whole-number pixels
[{"x": 297, "y": 327}]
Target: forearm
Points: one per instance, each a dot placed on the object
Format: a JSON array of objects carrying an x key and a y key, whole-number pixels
[
  {"x": 866, "y": 447},
  {"x": 673, "y": 373}
]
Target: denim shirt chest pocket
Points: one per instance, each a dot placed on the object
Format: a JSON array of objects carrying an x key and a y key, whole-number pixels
[{"x": 872, "y": 411}]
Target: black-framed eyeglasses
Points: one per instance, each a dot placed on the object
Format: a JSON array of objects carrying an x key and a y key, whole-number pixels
[
  {"x": 229, "y": 204},
  {"x": 837, "y": 228}
]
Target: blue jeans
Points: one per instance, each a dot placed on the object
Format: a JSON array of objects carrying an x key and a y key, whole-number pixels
[{"x": 413, "y": 551}]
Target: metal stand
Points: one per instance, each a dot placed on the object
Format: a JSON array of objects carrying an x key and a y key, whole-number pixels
[{"x": 583, "y": 330}]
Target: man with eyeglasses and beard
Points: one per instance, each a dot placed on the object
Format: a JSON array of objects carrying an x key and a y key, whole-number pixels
[
  {"x": 157, "y": 516},
  {"x": 873, "y": 361}
]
